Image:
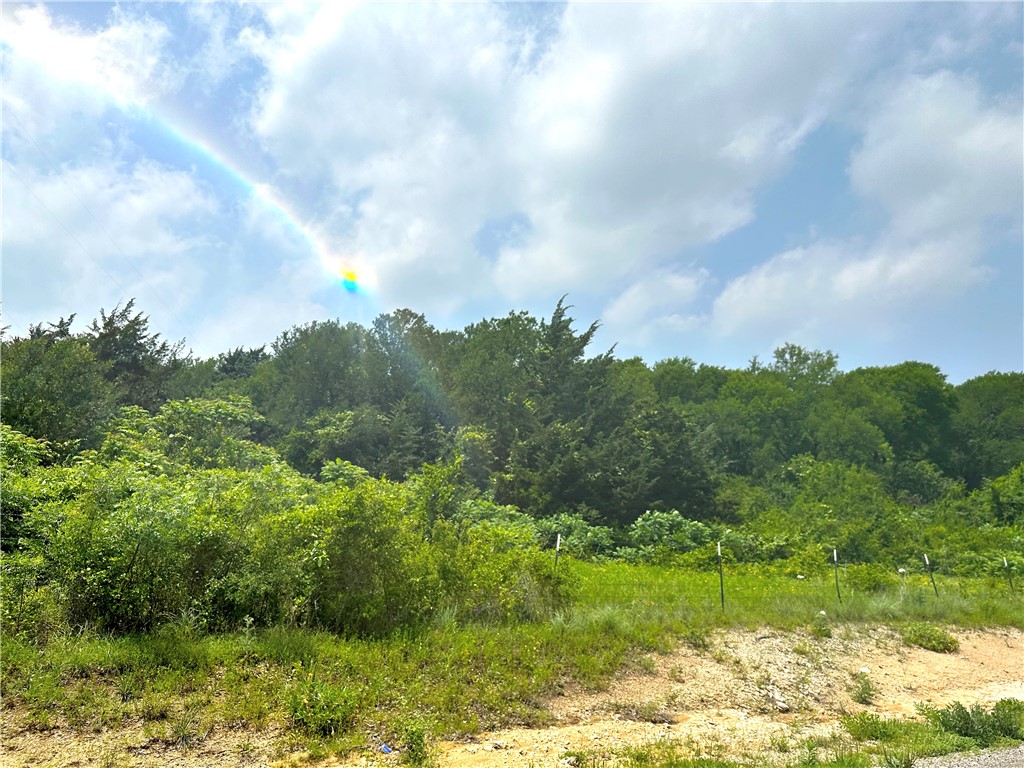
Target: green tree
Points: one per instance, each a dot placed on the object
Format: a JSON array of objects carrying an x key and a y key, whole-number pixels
[
  {"x": 140, "y": 364},
  {"x": 54, "y": 388},
  {"x": 988, "y": 427},
  {"x": 315, "y": 368}
]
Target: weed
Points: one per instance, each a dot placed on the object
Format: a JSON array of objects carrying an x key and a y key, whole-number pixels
[
  {"x": 930, "y": 637},
  {"x": 697, "y": 638},
  {"x": 867, "y": 726},
  {"x": 898, "y": 758},
  {"x": 128, "y": 686},
  {"x": 647, "y": 712},
  {"x": 321, "y": 709},
  {"x": 415, "y": 745},
  {"x": 862, "y": 690},
  {"x": 185, "y": 730},
  {"x": 647, "y": 665},
  {"x": 803, "y": 648},
  {"x": 820, "y": 626},
  {"x": 779, "y": 742},
  {"x": 110, "y": 759},
  {"x": 246, "y": 750}
]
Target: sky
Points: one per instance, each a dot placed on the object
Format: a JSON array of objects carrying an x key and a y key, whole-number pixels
[{"x": 704, "y": 180}]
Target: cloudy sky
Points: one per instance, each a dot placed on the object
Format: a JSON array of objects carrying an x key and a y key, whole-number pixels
[{"x": 706, "y": 180}]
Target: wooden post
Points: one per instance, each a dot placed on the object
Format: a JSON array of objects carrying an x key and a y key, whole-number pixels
[
  {"x": 721, "y": 578},
  {"x": 931, "y": 575},
  {"x": 835, "y": 570},
  {"x": 558, "y": 548}
]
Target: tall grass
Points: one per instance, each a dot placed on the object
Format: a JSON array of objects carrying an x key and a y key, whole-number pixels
[{"x": 756, "y": 596}]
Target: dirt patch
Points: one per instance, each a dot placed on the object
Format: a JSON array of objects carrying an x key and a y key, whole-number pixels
[{"x": 760, "y": 692}]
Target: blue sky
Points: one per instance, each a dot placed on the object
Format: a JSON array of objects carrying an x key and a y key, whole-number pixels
[{"x": 706, "y": 180}]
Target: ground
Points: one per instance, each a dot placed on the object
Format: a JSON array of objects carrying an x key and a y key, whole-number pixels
[{"x": 746, "y": 692}]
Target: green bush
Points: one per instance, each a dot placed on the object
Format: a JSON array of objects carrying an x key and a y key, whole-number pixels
[
  {"x": 984, "y": 727},
  {"x": 1009, "y": 718},
  {"x": 862, "y": 690},
  {"x": 930, "y": 637},
  {"x": 146, "y": 531},
  {"x": 579, "y": 538}
]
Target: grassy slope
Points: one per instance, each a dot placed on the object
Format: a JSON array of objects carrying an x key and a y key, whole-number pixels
[{"x": 331, "y": 692}]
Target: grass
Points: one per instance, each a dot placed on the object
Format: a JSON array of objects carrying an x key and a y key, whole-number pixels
[{"x": 331, "y": 693}]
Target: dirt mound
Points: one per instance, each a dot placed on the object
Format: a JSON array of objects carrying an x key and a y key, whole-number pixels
[{"x": 747, "y": 692}]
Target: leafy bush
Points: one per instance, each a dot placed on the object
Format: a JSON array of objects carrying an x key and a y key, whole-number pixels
[
  {"x": 670, "y": 530},
  {"x": 1009, "y": 718},
  {"x": 496, "y": 573},
  {"x": 1004, "y": 721},
  {"x": 930, "y": 637},
  {"x": 138, "y": 537},
  {"x": 579, "y": 538},
  {"x": 820, "y": 626}
]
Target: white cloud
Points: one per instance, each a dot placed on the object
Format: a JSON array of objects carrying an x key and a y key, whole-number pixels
[
  {"x": 52, "y": 72},
  {"x": 947, "y": 167},
  {"x": 641, "y": 131},
  {"x": 223, "y": 49},
  {"x": 939, "y": 158},
  {"x": 657, "y": 304},
  {"x": 836, "y": 289},
  {"x": 97, "y": 235},
  {"x": 259, "y": 315}
]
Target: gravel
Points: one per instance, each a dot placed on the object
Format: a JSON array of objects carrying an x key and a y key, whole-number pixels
[{"x": 993, "y": 758}]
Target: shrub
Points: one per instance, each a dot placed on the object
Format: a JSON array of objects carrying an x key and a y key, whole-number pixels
[
  {"x": 1009, "y": 718},
  {"x": 985, "y": 728},
  {"x": 579, "y": 538},
  {"x": 820, "y": 626},
  {"x": 930, "y": 637}
]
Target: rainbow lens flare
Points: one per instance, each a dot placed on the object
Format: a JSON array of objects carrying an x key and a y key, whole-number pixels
[{"x": 350, "y": 281}]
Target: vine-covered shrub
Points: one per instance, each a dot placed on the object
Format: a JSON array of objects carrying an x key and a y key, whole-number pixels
[{"x": 136, "y": 536}]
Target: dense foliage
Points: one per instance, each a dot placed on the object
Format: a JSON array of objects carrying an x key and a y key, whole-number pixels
[{"x": 361, "y": 479}]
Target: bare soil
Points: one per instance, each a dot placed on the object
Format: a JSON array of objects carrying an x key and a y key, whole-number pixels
[{"x": 748, "y": 693}]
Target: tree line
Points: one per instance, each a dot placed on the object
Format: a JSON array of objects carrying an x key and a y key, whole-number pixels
[
  {"x": 359, "y": 478},
  {"x": 538, "y": 422}
]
